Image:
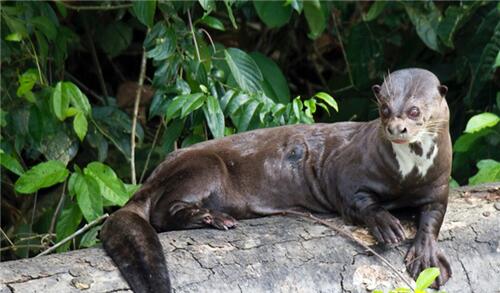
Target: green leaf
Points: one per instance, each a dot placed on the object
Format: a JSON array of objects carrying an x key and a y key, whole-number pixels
[
  {"x": 208, "y": 5},
  {"x": 145, "y": 11},
  {"x": 275, "y": 84},
  {"x": 327, "y": 99},
  {"x": 78, "y": 99},
  {"x": 67, "y": 224},
  {"x": 174, "y": 130},
  {"x": 489, "y": 171},
  {"x": 245, "y": 71},
  {"x": 26, "y": 82},
  {"x": 426, "y": 277},
  {"x": 132, "y": 188},
  {"x": 375, "y": 9},
  {"x": 497, "y": 62},
  {"x": 14, "y": 37},
  {"x": 90, "y": 239},
  {"x": 115, "y": 38},
  {"x": 481, "y": 121},
  {"x": 467, "y": 140},
  {"x": 246, "y": 115},
  {"x": 161, "y": 42},
  {"x": 10, "y": 163},
  {"x": 451, "y": 23},
  {"x": 88, "y": 196},
  {"x": 297, "y": 5},
  {"x": 236, "y": 103},
  {"x": 40, "y": 176},
  {"x": 230, "y": 13},
  {"x": 214, "y": 116},
  {"x": 174, "y": 108},
  {"x": 111, "y": 187},
  {"x": 315, "y": 17},
  {"x": 426, "y": 21},
  {"x": 60, "y": 101},
  {"x": 80, "y": 125},
  {"x": 193, "y": 102},
  {"x": 273, "y": 13},
  {"x": 297, "y": 107},
  {"x": 212, "y": 22},
  {"x": 226, "y": 98},
  {"x": 46, "y": 26}
]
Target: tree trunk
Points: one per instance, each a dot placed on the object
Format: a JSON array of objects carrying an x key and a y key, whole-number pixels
[{"x": 285, "y": 254}]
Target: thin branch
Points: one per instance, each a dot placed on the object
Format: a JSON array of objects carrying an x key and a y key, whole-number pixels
[
  {"x": 86, "y": 88},
  {"x": 21, "y": 246},
  {"x": 137, "y": 102},
  {"x": 32, "y": 217},
  {"x": 150, "y": 152},
  {"x": 194, "y": 36},
  {"x": 209, "y": 38},
  {"x": 109, "y": 7},
  {"x": 72, "y": 236},
  {"x": 58, "y": 209},
  {"x": 349, "y": 235},
  {"x": 344, "y": 54},
  {"x": 6, "y": 237},
  {"x": 96, "y": 59}
]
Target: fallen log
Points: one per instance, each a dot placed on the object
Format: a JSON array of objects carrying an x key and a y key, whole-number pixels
[{"x": 285, "y": 254}]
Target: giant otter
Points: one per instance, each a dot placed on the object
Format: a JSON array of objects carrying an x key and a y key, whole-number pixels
[{"x": 361, "y": 170}]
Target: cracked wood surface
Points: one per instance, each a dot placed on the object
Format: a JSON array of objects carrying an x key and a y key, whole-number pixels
[{"x": 284, "y": 254}]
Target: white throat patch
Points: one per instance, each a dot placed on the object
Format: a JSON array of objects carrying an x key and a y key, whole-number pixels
[{"x": 409, "y": 159}]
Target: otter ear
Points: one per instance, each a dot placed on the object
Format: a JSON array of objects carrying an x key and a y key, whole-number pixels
[
  {"x": 376, "y": 90},
  {"x": 443, "y": 90}
]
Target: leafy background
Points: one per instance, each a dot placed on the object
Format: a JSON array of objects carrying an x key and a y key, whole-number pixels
[{"x": 71, "y": 73}]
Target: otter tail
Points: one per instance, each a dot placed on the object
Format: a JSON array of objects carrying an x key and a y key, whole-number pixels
[{"x": 134, "y": 246}]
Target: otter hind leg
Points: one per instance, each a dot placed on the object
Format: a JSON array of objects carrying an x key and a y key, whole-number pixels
[{"x": 189, "y": 216}]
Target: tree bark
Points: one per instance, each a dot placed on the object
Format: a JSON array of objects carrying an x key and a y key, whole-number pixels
[{"x": 285, "y": 254}]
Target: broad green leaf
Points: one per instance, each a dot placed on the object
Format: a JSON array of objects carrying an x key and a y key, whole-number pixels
[
  {"x": 132, "y": 188},
  {"x": 297, "y": 5},
  {"x": 80, "y": 125},
  {"x": 450, "y": 23},
  {"x": 46, "y": 26},
  {"x": 467, "y": 140},
  {"x": 273, "y": 13},
  {"x": 315, "y": 17},
  {"x": 297, "y": 107},
  {"x": 327, "y": 99},
  {"x": 145, "y": 11},
  {"x": 278, "y": 110},
  {"x": 375, "y": 9},
  {"x": 489, "y": 171},
  {"x": 193, "y": 102},
  {"x": 426, "y": 21},
  {"x": 226, "y": 98},
  {"x": 236, "y": 103},
  {"x": 90, "y": 239},
  {"x": 14, "y": 37},
  {"x": 40, "y": 176},
  {"x": 426, "y": 277},
  {"x": 230, "y": 13},
  {"x": 480, "y": 121},
  {"x": 497, "y": 62},
  {"x": 78, "y": 99},
  {"x": 174, "y": 107},
  {"x": 164, "y": 44},
  {"x": 245, "y": 71},
  {"x": 172, "y": 133},
  {"x": 453, "y": 183},
  {"x": 212, "y": 22},
  {"x": 208, "y": 5},
  {"x": 60, "y": 101},
  {"x": 26, "y": 82},
  {"x": 10, "y": 163},
  {"x": 67, "y": 224},
  {"x": 214, "y": 116},
  {"x": 72, "y": 112},
  {"x": 88, "y": 196},
  {"x": 111, "y": 187},
  {"x": 246, "y": 115},
  {"x": 273, "y": 76},
  {"x": 115, "y": 38}
]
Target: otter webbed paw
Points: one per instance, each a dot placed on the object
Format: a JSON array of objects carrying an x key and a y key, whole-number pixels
[
  {"x": 219, "y": 220},
  {"x": 385, "y": 227},
  {"x": 423, "y": 254}
]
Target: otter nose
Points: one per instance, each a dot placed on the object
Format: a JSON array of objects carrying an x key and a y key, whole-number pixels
[{"x": 396, "y": 129}]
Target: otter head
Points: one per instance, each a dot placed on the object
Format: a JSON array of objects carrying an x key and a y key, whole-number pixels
[{"x": 411, "y": 104}]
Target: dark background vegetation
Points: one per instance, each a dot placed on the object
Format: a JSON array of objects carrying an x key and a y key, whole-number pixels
[{"x": 70, "y": 71}]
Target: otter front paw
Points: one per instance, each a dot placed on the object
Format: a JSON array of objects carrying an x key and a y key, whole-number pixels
[
  {"x": 423, "y": 254},
  {"x": 385, "y": 227}
]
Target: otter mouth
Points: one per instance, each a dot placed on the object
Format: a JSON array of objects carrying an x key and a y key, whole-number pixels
[{"x": 400, "y": 141}]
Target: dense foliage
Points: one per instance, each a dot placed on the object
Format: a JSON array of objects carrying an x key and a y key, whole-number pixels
[{"x": 210, "y": 69}]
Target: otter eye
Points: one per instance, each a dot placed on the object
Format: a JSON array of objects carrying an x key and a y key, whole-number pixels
[
  {"x": 414, "y": 112},
  {"x": 385, "y": 111}
]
